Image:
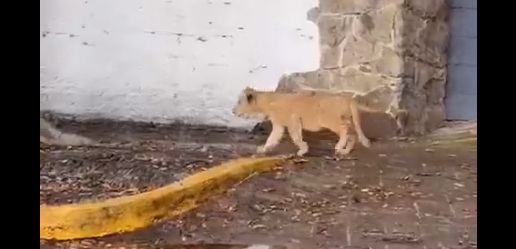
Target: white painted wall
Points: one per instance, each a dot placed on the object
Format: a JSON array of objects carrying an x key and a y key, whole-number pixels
[
  {"x": 461, "y": 90},
  {"x": 168, "y": 60}
]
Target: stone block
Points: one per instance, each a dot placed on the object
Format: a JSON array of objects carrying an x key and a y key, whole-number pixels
[
  {"x": 389, "y": 63},
  {"x": 423, "y": 93},
  {"x": 355, "y": 80},
  {"x": 356, "y": 50},
  {"x": 330, "y": 57},
  {"x": 334, "y": 28},
  {"x": 435, "y": 90},
  {"x": 437, "y": 9},
  {"x": 425, "y": 73},
  {"x": 435, "y": 117},
  {"x": 425, "y": 39},
  {"x": 293, "y": 82},
  {"x": 376, "y": 25},
  {"x": 353, "y": 6}
]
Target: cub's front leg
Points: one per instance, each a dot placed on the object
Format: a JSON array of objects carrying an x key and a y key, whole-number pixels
[
  {"x": 295, "y": 129},
  {"x": 273, "y": 139},
  {"x": 351, "y": 141}
]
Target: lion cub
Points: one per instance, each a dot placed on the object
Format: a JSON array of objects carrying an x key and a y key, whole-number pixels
[{"x": 298, "y": 111}]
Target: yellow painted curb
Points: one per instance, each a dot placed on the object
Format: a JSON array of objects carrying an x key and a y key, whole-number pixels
[{"x": 128, "y": 213}]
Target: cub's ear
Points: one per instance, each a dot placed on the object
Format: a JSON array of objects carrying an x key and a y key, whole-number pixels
[
  {"x": 248, "y": 89},
  {"x": 250, "y": 97}
]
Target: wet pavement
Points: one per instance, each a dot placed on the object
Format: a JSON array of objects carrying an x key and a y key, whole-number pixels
[{"x": 394, "y": 195}]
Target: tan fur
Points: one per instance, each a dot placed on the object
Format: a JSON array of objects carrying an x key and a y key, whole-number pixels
[
  {"x": 298, "y": 111},
  {"x": 395, "y": 115}
]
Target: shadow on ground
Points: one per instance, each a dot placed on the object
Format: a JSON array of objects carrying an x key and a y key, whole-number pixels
[{"x": 397, "y": 194}]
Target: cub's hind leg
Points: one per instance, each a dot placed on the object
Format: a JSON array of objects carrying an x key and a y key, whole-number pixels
[
  {"x": 344, "y": 145},
  {"x": 295, "y": 129},
  {"x": 273, "y": 139},
  {"x": 357, "y": 125},
  {"x": 352, "y": 140}
]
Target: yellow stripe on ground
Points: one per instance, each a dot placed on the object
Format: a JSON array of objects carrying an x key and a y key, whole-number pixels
[{"x": 128, "y": 213}]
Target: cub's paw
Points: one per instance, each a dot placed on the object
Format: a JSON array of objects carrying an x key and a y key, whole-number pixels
[
  {"x": 366, "y": 143},
  {"x": 301, "y": 153},
  {"x": 261, "y": 150},
  {"x": 342, "y": 152}
]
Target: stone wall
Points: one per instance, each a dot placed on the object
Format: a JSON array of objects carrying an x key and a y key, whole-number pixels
[{"x": 391, "y": 52}]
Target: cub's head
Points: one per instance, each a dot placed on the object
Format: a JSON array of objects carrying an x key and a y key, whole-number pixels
[{"x": 247, "y": 106}]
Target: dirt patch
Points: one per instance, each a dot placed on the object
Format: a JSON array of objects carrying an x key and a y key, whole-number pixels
[
  {"x": 74, "y": 174},
  {"x": 398, "y": 194}
]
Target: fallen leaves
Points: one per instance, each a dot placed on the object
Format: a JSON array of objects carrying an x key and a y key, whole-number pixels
[
  {"x": 338, "y": 192},
  {"x": 75, "y": 174}
]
